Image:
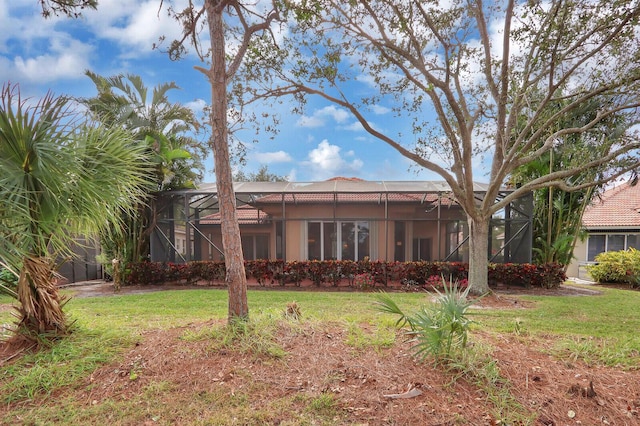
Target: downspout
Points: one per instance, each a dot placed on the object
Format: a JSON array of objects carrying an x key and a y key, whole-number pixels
[
  {"x": 439, "y": 227},
  {"x": 187, "y": 228},
  {"x": 284, "y": 230},
  {"x": 386, "y": 226}
]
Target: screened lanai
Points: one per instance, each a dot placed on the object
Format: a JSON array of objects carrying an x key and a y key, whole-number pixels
[{"x": 338, "y": 219}]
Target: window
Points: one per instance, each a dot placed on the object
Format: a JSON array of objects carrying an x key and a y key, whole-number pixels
[
  {"x": 324, "y": 239},
  {"x": 615, "y": 242},
  {"x": 600, "y": 243},
  {"x": 279, "y": 240},
  {"x": 596, "y": 245},
  {"x": 255, "y": 247},
  {"x": 399, "y": 241},
  {"x": 422, "y": 249}
]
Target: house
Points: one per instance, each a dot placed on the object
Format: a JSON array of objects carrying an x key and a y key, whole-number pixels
[
  {"x": 337, "y": 219},
  {"x": 612, "y": 223}
]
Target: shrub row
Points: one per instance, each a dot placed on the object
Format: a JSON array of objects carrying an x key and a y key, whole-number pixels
[
  {"x": 617, "y": 267},
  {"x": 355, "y": 274}
]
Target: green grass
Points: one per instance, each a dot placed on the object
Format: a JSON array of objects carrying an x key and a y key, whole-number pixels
[
  {"x": 164, "y": 309},
  {"x": 5, "y": 315},
  {"x": 596, "y": 329},
  {"x": 67, "y": 363}
]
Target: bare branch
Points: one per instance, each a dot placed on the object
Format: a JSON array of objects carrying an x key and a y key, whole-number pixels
[
  {"x": 249, "y": 32},
  {"x": 70, "y": 8},
  {"x": 558, "y": 179}
]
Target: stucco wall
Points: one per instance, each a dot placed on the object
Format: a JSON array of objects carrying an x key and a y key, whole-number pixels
[{"x": 580, "y": 257}]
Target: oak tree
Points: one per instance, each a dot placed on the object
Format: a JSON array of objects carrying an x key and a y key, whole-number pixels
[{"x": 477, "y": 84}]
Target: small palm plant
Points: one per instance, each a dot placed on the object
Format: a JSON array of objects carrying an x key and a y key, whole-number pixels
[{"x": 437, "y": 329}]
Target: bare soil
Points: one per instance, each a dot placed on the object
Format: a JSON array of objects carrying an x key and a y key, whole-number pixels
[{"x": 370, "y": 385}]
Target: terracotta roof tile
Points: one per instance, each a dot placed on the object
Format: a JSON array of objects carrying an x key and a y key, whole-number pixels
[
  {"x": 617, "y": 207},
  {"x": 347, "y": 179},
  {"x": 247, "y": 215}
]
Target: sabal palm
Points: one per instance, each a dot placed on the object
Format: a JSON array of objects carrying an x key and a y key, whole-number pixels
[{"x": 59, "y": 177}]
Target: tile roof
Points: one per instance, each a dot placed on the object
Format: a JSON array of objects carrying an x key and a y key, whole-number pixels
[
  {"x": 336, "y": 185},
  {"x": 247, "y": 215},
  {"x": 617, "y": 207}
]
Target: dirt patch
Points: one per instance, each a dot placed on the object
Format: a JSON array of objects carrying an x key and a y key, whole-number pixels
[{"x": 363, "y": 382}]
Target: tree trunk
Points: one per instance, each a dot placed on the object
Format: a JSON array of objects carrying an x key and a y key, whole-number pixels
[
  {"x": 478, "y": 255},
  {"x": 40, "y": 309},
  {"x": 231, "y": 242}
]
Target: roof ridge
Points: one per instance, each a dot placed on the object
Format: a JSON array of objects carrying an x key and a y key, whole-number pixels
[{"x": 348, "y": 179}]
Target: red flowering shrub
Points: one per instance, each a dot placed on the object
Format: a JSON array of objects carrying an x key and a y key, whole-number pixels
[{"x": 412, "y": 274}]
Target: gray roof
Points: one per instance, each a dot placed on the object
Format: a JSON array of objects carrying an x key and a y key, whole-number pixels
[{"x": 333, "y": 186}]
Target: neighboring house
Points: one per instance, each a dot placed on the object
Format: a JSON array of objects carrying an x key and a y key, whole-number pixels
[
  {"x": 338, "y": 219},
  {"x": 612, "y": 222}
]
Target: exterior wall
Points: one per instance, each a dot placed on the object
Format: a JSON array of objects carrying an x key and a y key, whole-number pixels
[
  {"x": 614, "y": 240},
  {"x": 297, "y": 217},
  {"x": 577, "y": 266}
]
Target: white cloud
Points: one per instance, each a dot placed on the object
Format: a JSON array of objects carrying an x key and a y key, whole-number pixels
[
  {"x": 319, "y": 116},
  {"x": 356, "y": 126},
  {"x": 272, "y": 157},
  {"x": 23, "y": 21},
  {"x": 34, "y": 49},
  {"x": 338, "y": 114},
  {"x": 66, "y": 59},
  {"x": 135, "y": 25},
  {"x": 309, "y": 122},
  {"x": 5, "y": 70},
  {"x": 197, "y": 106},
  {"x": 380, "y": 110},
  {"x": 325, "y": 162}
]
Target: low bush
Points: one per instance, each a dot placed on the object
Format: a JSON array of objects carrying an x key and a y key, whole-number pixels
[
  {"x": 617, "y": 267},
  {"x": 439, "y": 329},
  {"x": 413, "y": 275}
]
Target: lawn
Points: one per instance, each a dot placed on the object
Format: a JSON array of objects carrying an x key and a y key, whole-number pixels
[{"x": 167, "y": 358}]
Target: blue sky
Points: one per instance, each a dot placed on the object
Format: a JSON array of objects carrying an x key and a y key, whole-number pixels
[{"x": 52, "y": 54}]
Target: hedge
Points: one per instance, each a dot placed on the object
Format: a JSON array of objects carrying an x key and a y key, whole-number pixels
[
  {"x": 617, "y": 267},
  {"x": 333, "y": 273}
]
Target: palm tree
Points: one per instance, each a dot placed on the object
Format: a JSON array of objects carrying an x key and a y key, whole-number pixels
[
  {"x": 122, "y": 100},
  {"x": 61, "y": 177},
  {"x": 165, "y": 129}
]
